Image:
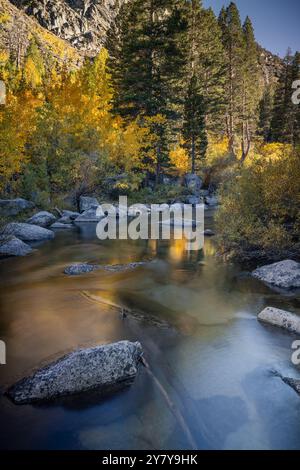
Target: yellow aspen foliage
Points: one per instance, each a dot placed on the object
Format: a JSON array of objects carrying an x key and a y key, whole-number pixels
[
  {"x": 217, "y": 148},
  {"x": 17, "y": 122},
  {"x": 179, "y": 159}
]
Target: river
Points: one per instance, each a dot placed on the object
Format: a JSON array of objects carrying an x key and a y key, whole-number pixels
[{"x": 199, "y": 331}]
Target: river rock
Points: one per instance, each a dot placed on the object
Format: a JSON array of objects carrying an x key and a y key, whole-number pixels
[
  {"x": 285, "y": 274},
  {"x": 42, "y": 219},
  {"x": 281, "y": 318},
  {"x": 104, "y": 368},
  {"x": 85, "y": 268},
  {"x": 90, "y": 216},
  {"x": 209, "y": 233},
  {"x": 294, "y": 383},
  {"x": 28, "y": 232},
  {"x": 78, "y": 269},
  {"x": 86, "y": 203},
  {"x": 70, "y": 214},
  {"x": 14, "y": 247},
  {"x": 193, "y": 183},
  {"x": 12, "y": 207},
  {"x": 212, "y": 201}
]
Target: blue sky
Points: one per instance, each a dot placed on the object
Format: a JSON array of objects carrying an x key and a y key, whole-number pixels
[{"x": 276, "y": 22}]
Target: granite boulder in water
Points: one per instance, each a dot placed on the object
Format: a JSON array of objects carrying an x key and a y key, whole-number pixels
[
  {"x": 285, "y": 274},
  {"x": 280, "y": 318},
  {"x": 104, "y": 368}
]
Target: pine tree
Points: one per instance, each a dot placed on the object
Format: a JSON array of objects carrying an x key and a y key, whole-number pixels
[
  {"x": 233, "y": 41},
  {"x": 295, "y": 109},
  {"x": 149, "y": 67},
  {"x": 205, "y": 73},
  {"x": 265, "y": 114},
  {"x": 194, "y": 128},
  {"x": 250, "y": 90},
  {"x": 282, "y": 124}
]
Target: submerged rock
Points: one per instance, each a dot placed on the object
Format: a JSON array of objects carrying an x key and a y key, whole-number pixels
[
  {"x": 280, "y": 318},
  {"x": 77, "y": 269},
  {"x": 28, "y": 232},
  {"x": 105, "y": 368},
  {"x": 285, "y": 274},
  {"x": 14, "y": 247},
  {"x": 42, "y": 219},
  {"x": 294, "y": 383},
  {"x": 12, "y": 207},
  {"x": 84, "y": 268}
]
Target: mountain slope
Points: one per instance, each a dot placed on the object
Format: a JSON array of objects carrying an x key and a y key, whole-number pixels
[
  {"x": 16, "y": 30},
  {"x": 84, "y": 23}
]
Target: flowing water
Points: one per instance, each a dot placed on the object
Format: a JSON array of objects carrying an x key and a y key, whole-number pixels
[{"x": 213, "y": 361}]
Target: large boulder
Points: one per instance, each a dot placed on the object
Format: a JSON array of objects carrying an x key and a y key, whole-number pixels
[
  {"x": 14, "y": 247},
  {"x": 12, "y": 207},
  {"x": 285, "y": 274},
  {"x": 42, "y": 219},
  {"x": 86, "y": 203},
  {"x": 28, "y": 232},
  {"x": 193, "y": 183},
  {"x": 105, "y": 368},
  {"x": 280, "y": 318}
]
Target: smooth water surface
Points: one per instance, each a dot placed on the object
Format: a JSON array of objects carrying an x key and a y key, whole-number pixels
[{"x": 197, "y": 324}]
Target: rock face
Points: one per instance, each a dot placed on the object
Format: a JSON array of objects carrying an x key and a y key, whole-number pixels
[
  {"x": 15, "y": 247},
  {"x": 285, "y": 274},
  {"x": 83, "y": 23},
  {"x": 87, "y": 203},
  {"x": 294, "y": 383},
  {"x": 193, "y": 183},
  {"x": 12, "y": 207},
  {"x": 281, "y": 318},
  {"x": 104, "y": 368},
  {"x": 28, "y": 232},
  {"x": 42, "y": 219}
]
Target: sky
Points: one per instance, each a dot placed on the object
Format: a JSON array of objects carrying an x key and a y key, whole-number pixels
[{"x": 276, "y": 22}]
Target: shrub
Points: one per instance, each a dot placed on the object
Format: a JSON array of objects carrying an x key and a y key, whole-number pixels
[{"x": 261, "y": 207}]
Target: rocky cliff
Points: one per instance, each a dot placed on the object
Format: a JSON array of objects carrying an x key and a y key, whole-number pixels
[
  {"x": 16, "y": 29},
  {"x": 83, "y": 23}
]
